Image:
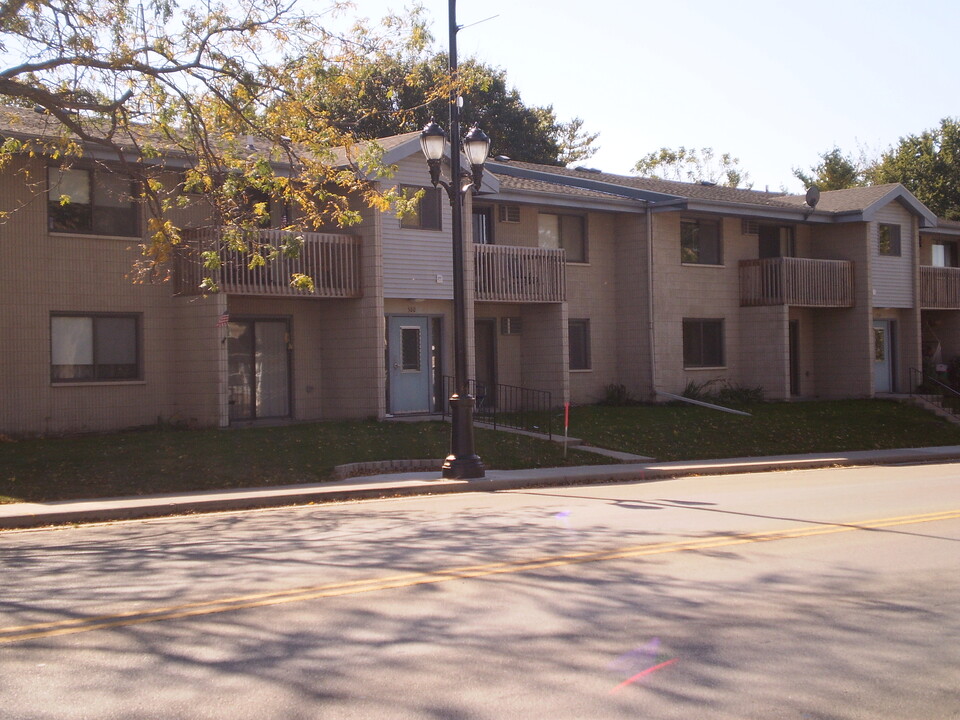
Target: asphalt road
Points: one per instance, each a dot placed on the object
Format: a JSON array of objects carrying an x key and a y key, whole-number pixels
[{"x": 807, "y": 594}]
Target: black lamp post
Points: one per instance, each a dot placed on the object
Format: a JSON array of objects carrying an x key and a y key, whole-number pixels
[{"x": 462, "y": 463}]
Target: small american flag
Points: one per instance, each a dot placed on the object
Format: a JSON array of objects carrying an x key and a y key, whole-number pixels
[{"x": 223, "y": 320}]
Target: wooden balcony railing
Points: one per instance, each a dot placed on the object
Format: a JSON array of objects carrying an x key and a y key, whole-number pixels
[
  {"x": 331, "y": 261},
  {"x": 506, "y": 273},
  {"x": 939, "y": 288},
  {"x": 801, "y": 282}
]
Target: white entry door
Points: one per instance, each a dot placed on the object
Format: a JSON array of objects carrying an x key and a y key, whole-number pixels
[
  {"x": 883, "y": 356},
  {"x": 408, "y": 354}
]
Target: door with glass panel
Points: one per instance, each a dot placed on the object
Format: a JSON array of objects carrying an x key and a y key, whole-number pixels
[
  {"x": 408, "y": 358},
  {"x": 883, "y": 356},
  {"x": 259, "y": 366}
]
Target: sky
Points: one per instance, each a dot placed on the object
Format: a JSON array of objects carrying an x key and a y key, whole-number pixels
[{"x": 774, "y": 84}]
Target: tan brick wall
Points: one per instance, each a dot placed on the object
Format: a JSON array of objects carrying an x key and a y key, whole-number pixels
[
  {"x": 632, "y": 309},
  {"x": 843, "y": 337},
  {"x": 807, "y": 380},
  {"x": 765, "y": 360},
  {"x": 698, "y": 291},
  {"x": 43, "y": 273},
  {"x": 592, "y": 292},
  {"x": 543, "y": 355}
]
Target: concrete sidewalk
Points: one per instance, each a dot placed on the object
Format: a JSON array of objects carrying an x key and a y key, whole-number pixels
[{"x": 25, "y": 515}]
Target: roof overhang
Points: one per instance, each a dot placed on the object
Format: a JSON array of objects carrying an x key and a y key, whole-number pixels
[
  {"x": 584, "y": 183},
  {"x": 908, "y": 200}
]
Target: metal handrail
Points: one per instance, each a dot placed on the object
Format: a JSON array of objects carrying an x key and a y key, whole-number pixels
[
  {"x": 947, "y": 394},
  {"x": 507, "y": 406}
]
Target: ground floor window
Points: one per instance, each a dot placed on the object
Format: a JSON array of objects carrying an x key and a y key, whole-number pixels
[
  {"x": 95, "y": 347},
  {"x": 579, "y": 332},
  {"x": 702, "y": 342}
]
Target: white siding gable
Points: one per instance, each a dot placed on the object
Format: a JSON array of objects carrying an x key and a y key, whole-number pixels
[
  {"x": 892, "y": 277},
  {"x": 413, "y": 260}
]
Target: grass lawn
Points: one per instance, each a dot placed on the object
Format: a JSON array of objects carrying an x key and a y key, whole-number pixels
[
  {"x": 146, "y": 462},
  {"x": 166, "y": 460},
  {"x": 687, "y": 432}
]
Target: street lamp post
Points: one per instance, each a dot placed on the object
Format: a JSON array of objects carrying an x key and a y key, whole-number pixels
[{"x": 462, "y": 463}]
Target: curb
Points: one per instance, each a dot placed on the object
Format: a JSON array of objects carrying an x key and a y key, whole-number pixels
[{"x": 418, "y": 482}]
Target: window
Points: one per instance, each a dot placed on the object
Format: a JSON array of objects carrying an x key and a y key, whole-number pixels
[
  {"x": 702, "y": 343},
  {"x": 944, "y": 254},
  {"x": 889, "y": 243},
  {"x": 579, "y": 339},
  {"x": 482, "y": 226},
  {"x": 700, "y": 242},
  {"x": 87, "y": 201},
  {"x": 410, "y": 349},
  {"x": 94, "y": 347},
  {"x": 563, "y": 231},
  {"x": 776, "y": 241},
  {"x": 427, "y": 214}
]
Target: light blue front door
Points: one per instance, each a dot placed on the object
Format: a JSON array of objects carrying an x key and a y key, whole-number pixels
[
  {"x": 882, "y": 356},
  {"x": 408, "y": 354}
]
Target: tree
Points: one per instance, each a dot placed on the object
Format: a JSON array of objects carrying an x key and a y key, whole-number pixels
[
  {"x": 400, "y": 89},
  {"x": 576, "y": 144},
  {"x": 928, "y": 165},
  {"x": 835, "y": 171},
  {"x": 214, "y": 85},
  {"x": 693, "y": 165}
]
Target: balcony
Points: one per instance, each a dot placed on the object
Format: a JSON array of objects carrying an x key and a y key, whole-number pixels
[
  {"x": 800, "y": 282},
  {"x": 506, "y": 273},
  {"x": 331, "y": 261},
  {"x": 939, "y": 288}
]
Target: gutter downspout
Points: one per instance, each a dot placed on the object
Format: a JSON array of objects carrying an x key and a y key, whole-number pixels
[{"x": 650, "y": 305}]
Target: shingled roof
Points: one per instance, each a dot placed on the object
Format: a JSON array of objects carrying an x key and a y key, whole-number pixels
[
  {"x": 835, "y": 204},
  {"x": 595, "y": 179}
]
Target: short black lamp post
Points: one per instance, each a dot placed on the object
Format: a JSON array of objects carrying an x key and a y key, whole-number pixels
[{"x": 462, "y": 463}]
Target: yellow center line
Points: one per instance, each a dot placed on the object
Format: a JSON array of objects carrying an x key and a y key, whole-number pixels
[{"x": 135, "y": 617}]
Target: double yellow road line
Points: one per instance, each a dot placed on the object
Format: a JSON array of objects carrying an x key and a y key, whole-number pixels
[{"x": 21, "y": 633}]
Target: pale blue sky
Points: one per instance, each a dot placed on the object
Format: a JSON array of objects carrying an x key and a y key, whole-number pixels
[{"x": 771, "y": 82}]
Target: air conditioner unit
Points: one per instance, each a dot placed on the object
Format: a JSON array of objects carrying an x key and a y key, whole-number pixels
[
  {"x": 508, "y": 213},
  {"x": 510, "y": 326}
]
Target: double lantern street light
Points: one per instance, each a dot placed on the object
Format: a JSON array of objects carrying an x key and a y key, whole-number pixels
[{"x": 462, "y": 463}]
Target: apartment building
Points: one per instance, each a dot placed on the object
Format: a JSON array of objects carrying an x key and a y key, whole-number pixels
[{"x": 576, "y": 280}]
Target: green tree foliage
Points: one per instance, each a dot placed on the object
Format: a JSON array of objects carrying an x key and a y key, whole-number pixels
[
  {"x": 576, "y": 143},
  {"x": 215, "y": 85},
  {"x": 694, "y": 166},
  {"x": 835, "y": 171},
  {"x": 928, "y": 165},
  {"x": 400, "y": 89}
]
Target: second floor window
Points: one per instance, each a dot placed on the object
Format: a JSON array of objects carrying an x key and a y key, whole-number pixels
[
  {"x": 944, "y": 254},
  {"x": 95, "y": 202},
  {"x": 776, "y": 241},
  {"x": 563, "y": 231},
  {"x": 427, "y": 214},
  {"x": 700, "y": 242},
  {"x": 889, "y": 243}
]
